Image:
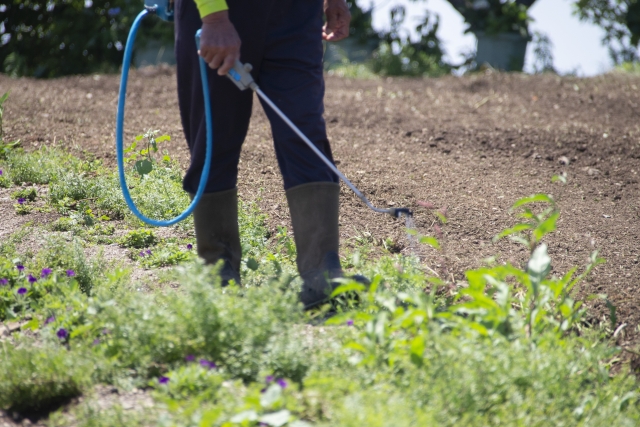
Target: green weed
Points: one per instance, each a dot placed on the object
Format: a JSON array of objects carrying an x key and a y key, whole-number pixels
[
  {"x": 28, "y": 194},
  {"x": 138, "y": 239},
  {"x": 36, "y": 379}
]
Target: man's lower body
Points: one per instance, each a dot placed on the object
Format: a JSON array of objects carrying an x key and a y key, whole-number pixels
[{"x": 282, "y": 40}]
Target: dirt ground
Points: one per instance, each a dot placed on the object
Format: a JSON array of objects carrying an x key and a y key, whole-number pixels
[{"x": 467, "y": 146}]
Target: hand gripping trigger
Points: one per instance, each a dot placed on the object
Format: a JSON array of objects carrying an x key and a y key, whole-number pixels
[{"x": 240, "y": 75}]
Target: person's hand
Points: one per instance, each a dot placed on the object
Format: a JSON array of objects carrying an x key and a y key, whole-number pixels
[
  {"x": 219, "y": 42},
  {"x": 338, "y": 20}
]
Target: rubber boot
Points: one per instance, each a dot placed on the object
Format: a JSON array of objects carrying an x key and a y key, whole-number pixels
[
  {"x": 217, "y": 234},
  {"x": 314, "y": 214}
]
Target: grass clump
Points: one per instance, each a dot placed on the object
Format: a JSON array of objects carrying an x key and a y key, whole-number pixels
[{"x": 37, "y": 379}]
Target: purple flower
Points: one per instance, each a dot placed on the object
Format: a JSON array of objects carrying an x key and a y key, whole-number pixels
[
  {"x": 282, "y": 383},
  {"x": 96, "y": 341},
  {"x": 207, "y": 364},
  {"x": 21, "y": 200},
  {"x": 163, "y": 380},
  {"x": 269, "y": 379},
  {"x": 3, "y": 282},
  {"x": 20, "y": 267},
  {"x": 22, "y": 291},
  {"x": 189, "y": 246},
  {"x": 148, "y": 251},
  {"x": 71, "y": 273},
  {"x": 46, "y": 272},
  {"x": 113, "y": 11},
  {"x": 141, "y": 253},
  {"x": 0, "y": 172},
  {"x": 49, "y": 320},
  {"x": 349, "y": 322},
  {"x": 62, "y": 333},
  {"x": 189, "y": 358},
  {"x": 105, "y": 331},
  {"x": 32, "y": 279}
]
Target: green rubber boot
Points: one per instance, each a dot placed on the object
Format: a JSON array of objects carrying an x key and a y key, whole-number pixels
[
  {"x": 217, "y": 235},
  {"x": 314, "y": 214}
]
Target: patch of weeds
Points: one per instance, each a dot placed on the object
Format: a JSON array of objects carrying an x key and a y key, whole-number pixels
[
  {"x": 159, "y": 194},
  {"x": 150, "y": 333},
  {"x": 22, "y": 288},
  {"x": 35, "y": 380},
  {"x": 22, "y": 207},
  {"x": 138, "y": 239},
  {"x": 165, "y": 255},
  {"x": 27, "y": 194},
  {"x": 69, "y": 188},
  {"x": 41, "y": 166},
  {"x": 5, "y": 181},
  {"x": 109, "y": 196},
  {"x": 59, "y": 253},
  {"x": 64, "y": 224}
]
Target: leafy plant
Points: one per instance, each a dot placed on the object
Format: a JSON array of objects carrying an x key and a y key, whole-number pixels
[
  {"x": 29, "y": 194},
  {"x": 138, "y": 239},
  {"x": 145, "y": 166}
]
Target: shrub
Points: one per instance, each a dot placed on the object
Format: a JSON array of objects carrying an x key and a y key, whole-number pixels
[{"x": 38, "y": 379}]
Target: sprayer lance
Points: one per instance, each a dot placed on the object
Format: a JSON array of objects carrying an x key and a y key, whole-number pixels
[{"x": 240, "y": 75}]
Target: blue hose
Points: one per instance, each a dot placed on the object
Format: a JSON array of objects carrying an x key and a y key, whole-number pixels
[{"x": 128, "y": 51}]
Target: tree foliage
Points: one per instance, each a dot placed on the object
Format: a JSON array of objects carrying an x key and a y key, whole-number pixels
[
  {"x": 620, "y": 20},
  {"x": 50, "y": 38},
  {"x": 495, "y": 16}
]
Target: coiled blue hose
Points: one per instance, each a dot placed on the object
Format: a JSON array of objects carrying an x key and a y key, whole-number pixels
[{"x": 128, "y": 51}]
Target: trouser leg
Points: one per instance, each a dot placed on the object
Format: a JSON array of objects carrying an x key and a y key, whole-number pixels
[
  {"x": 216, "y": 216},
  {"x": 291, "y": 75},
  {"x": 230, "y": 107}
]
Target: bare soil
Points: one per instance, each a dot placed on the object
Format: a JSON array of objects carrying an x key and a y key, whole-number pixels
[{"x": 468, "y": 147}]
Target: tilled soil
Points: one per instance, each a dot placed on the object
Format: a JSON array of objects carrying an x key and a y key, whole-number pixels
[{"x": 467, "y": 147}]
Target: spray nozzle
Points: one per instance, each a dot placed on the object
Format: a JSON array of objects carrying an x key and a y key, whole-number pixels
[{"x": 398, "y": 212}]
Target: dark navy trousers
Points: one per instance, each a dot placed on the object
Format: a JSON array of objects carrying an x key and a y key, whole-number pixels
[{"x": 282, "y": 39}]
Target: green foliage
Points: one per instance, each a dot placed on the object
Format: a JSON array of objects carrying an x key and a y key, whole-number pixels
[
  {"x": 69, "y": 188},
  {"x": 29, "y": 194},
  {"x": 620, "y": 20},
  {"x": 502, "y": 349},
  {"x": 145, "y": 165},
  {"x": 41, "y": 166},
  {"x": 37, "y": 379},
  {"x": 138, "y": 239},
  {"x": 164, "y": 256},
  {"x": 398, "y": 55},
  {"x": 3, "y": 99},
  {"x": 58, "y": 253},
  {"x": 495, "y": 16},
  {"x": 50, "y": 38}
]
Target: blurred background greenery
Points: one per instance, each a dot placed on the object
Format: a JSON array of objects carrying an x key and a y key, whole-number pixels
[{"x": 51, "y": 38}]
